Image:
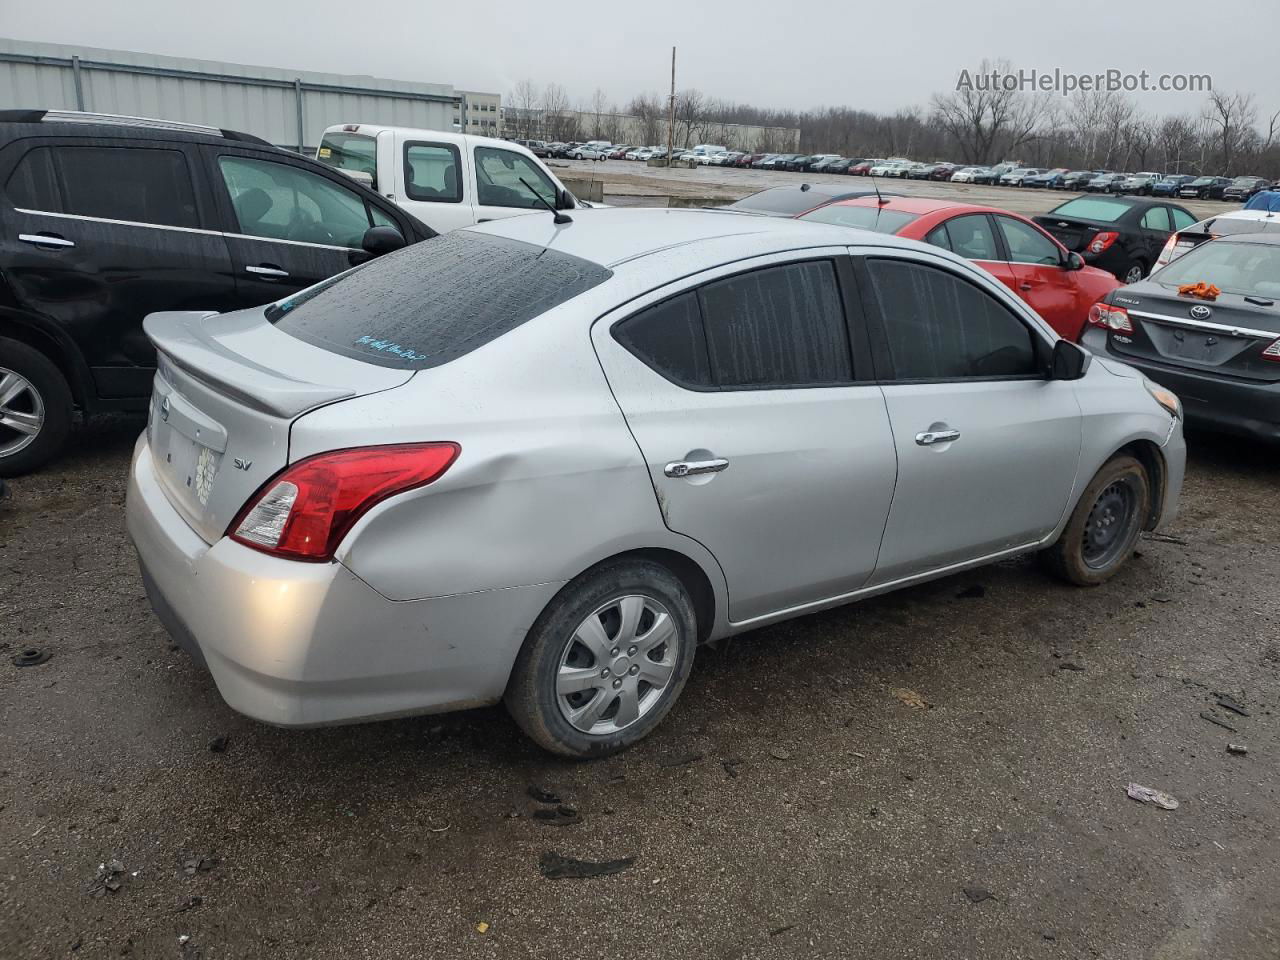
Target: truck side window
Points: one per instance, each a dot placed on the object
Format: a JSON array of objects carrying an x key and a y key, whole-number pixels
[
  {"x": 499, "y": 174},
  {"x": 431, "y": 172}
]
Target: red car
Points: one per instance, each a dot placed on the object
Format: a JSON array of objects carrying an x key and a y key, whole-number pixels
[
  {"x": 862, "y": 169},
  {"x": 1054, "y": 282}
]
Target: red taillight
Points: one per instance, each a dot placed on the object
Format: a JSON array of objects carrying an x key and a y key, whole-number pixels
[
  {"x": 1272, "y": 352},
  {"x": 1103, "y": 240},
  {"x": 1110, "y": 318},
  {"x": 304, "y": 512},
  {"x": 1167, "y": 253}
]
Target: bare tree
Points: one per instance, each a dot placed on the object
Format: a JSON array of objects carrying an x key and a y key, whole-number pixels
[
  {"x": 525, "y": 100},
  {"x": 647, "y": 109},
  {"x": 987, "y": 118},
  {"x": 599, "y": 108},
  {"x": 1232, "y": 117},
  {"x": 557, "y": 118},
  {"x": 690, "y": 110}
]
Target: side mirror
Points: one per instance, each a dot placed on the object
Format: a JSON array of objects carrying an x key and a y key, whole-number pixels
[
  {"x": 1074, "y": 262},
  {"x": 566, "y": 200},
  {"x": 1070, "y": 361},
  {"x": 380, "y": 240}
]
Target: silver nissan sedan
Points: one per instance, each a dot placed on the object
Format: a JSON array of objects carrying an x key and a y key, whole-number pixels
[{"x": 541, "y": 462}]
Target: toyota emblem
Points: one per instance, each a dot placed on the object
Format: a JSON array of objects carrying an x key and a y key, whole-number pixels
[{"x": 1200, "y": 312}]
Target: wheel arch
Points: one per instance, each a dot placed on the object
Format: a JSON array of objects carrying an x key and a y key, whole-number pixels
[
  {"x": 60, "y": 351},
  {"x": 1148, "y": 453}
]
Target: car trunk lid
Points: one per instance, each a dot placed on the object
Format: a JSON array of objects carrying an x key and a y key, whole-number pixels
[
  {"x": 218, "y": 426},
  {"x": 1073, "y": 233},
  {"x": 1226, "y": 336}
]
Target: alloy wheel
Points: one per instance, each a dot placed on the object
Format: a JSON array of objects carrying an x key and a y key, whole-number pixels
[
  {"x": 1133, "y": 274},
  {"x": 617, "y": 664},
  {"x": 21, "y": 412}
]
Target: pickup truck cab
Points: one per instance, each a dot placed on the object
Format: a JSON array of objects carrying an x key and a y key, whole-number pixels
[{"x": 447, "y": 180}]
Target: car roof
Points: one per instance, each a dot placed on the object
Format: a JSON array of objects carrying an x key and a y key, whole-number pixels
[
  {"x": 1244, "y": 215},
  {"x": 441, "y": 136},
  {"x": 84, "y": 124},
  {"x": 615, "y": 235},
  {"x": 1271, "y": 238}
]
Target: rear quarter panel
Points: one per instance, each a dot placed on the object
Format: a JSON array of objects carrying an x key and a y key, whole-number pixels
[{"x": 549, "y": 481}]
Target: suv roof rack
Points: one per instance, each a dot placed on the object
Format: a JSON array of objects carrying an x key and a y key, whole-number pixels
[{"x": 78, "y": 116}]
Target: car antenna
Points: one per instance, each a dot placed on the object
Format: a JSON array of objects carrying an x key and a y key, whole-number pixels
[
  {"x": 880, "y": 201},
  {"x": 556, "y": 216}
]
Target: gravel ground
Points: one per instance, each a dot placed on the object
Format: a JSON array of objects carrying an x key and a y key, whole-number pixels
[
  {"x": 829, "y": 787},
  {"x": 631, "y": 183}
]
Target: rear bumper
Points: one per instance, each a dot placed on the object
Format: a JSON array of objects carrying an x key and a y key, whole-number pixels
[
  {"x": 307, "y": 644},
  {"x": 1224, "y": 404}
]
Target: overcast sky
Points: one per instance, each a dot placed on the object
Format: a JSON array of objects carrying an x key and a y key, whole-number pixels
[{"x": 765, "y": 52}]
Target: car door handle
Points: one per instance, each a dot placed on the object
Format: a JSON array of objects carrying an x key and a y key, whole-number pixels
[
  {"x": 1024, "y": 286},
  {"x": 930, "y": 437},
  {"x": 689, "y": 468},
  {"x": 42, "y": 240},
  {"x": 265, "y": 271}
]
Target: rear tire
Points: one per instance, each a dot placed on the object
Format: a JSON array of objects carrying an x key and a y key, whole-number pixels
[
  {"x": 1133, "y": 272},
  {"x": 605, "y": 661},
  {"x": 34, "y": 396},
  {"x": 1104, "y": 526}
]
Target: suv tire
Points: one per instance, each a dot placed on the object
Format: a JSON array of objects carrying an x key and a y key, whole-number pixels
[
  {"x": 593, "y": 659},
  {"x": 31, "y": 388}
]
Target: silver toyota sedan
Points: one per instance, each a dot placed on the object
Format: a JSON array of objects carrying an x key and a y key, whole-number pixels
[{"x": 541, "y": 462}]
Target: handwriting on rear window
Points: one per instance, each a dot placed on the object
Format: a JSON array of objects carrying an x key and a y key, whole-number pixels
[{"x": 391, "y": 347}]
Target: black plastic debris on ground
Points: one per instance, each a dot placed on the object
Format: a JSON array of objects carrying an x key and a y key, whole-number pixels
[
  {"x": 978, "y": 894},
  {"x": 1068, "y": 665},
  {"x": 553, "y": 866},
  {"x": 560, "y": 816},
  {"x": 973, "y": 592},
  {"x": 219, "y": 744},
  {"x": 1229, "y": 703},
  {"x": 541, "y": 794},
  {"x": 679, "y": 759},
  {"x": 109, "y": 879},
  {"x": 1204, "y": 715},
  {"x": 31, "y": 657}
]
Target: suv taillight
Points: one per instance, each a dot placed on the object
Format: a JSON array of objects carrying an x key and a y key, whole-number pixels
[
  {"x": 304, "y": 512},
  {"x": 1272, "y": 352},
  {"x": 1103, "y": 240},
  {"x": 1166, "y": 254},
  {"x": 1110, "y": 318}
]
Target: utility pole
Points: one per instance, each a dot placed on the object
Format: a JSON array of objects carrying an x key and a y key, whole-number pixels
[{"x": 671, "y": 110}]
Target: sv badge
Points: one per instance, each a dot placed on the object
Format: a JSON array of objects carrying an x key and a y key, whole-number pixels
[{"x": 241, "y": 464}]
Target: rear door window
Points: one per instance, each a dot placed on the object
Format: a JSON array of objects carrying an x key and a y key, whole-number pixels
[
  {"x": 434, "y": 301},
  {"x": 940, "y": 326},
  {"x": 33, "y": 184},
  {"x": 134, "y": 184},
  {"x": 775, "y": 327},
  {"x": 1157, "y": 218},
  {"x": 432, "y": 172}
]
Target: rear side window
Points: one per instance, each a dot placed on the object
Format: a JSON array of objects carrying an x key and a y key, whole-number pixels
[
  {"x": 350, "y": 152},
  {"x": 1027, "y": 244},
  {"x": 1156, "y": 219},
  {"x": 670, "y": 339},
  {"x": 127, "y": 183},
  {"x": 137, "y": 184},
  {"x": 1181, "y": 219},
  {"x": 434, "y": 301},
  {"x": 1092, "y": 208},
  {"x": 32, "y": 184},
  {"x": 431, "y": 172},
  {"x": 941, "y": 327}
]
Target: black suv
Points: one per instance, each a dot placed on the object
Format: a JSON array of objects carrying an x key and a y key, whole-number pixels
[{"x": 104, "y": 220}]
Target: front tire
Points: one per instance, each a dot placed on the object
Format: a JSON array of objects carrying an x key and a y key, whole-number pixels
[
  {"x": 605, "y": 661},
  {"x": 1133, "y": 273},
  {"x": 1105, "y": 525},
  {"x": 35, "y": 408}
]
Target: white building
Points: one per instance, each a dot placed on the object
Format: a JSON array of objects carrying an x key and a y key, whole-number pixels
[{"x": 483, "y": 112}]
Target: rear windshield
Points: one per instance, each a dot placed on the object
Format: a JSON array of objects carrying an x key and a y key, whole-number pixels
[
  {"x": 1246, "y": 268},
  {"x": 868, "y": 218},
  {"x": 783, "y": 200},
  {"x": 350, "y": 152},
  {"x": 1092, "y": 208},
  {"x": 1227, "y": 226},
  {"x": 434, "y": 301}
]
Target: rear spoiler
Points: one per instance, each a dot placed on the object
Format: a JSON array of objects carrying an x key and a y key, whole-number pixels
[{"x": 180, "y": 338}]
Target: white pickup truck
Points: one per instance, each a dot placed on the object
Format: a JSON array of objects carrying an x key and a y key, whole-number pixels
[{"x": 446, "y": 180}]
